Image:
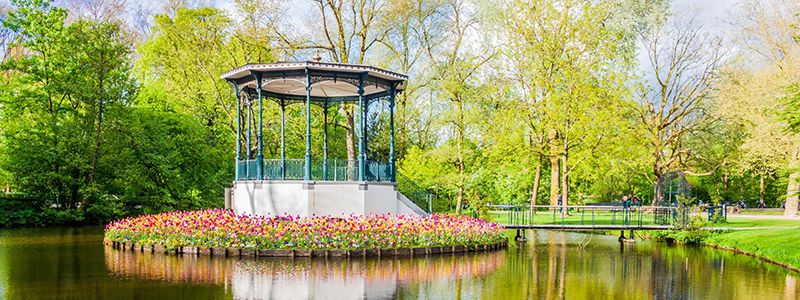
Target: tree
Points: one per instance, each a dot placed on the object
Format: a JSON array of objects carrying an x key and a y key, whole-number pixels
[
  {"x": 349, "y": 31},
  {"x": 413, "y": 28},
  {"x": 61, "y": 91},
  {"x": 97, "y": 10},
  {"x": 73, "y": 138},
  {"x": 673, "y": 97},
  {"x": 456, "y": 66},
  {"x": 763, "y": 86},
  {"x": 571, "y": 74}
]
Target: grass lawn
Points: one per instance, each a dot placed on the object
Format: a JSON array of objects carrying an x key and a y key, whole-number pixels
[
  {"x": 779, "y": 245},
  {"x": 743, "y": 221},
  {"x": 765, "y": 211}
]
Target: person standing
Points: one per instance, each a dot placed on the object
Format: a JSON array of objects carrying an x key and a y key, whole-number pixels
[{"x": 560, "y": 205}]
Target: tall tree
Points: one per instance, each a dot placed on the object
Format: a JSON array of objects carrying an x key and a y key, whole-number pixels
[
  {"x": 60, "y": 94},
  {"x": 769, "y": 39},
  {"x": 456, "y": 65},
  {"x": 570, "y": 60},
  {"x": 676, "y": 88},
  {"x": 350, "y": 30},
  {"x": 412, "y": 29},
  {"x": 185, "y": 57}
]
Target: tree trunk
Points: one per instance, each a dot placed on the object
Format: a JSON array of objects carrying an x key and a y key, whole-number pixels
[
  {"x": 98, "y": 131},
  {"x": 761, "y": 188},
  {"x": 656, "y": 179},
  {"x": 656, "y": 190},
  {"x": 565, "y": 173},
  {"x": 791, "y": 195},
  {"x": 726, "y": 183},
  {"x": 460, "y": 194},
  {"x": 350, "y": 138},
  {"x": 536, "y": 179},
  {"x": 564, "y": 183},
  {"x": 460, "y": 158},
  {"x": 554, "y": 171}
]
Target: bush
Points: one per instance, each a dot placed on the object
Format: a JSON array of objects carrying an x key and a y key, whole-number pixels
[{"x": 692, "y": 234}]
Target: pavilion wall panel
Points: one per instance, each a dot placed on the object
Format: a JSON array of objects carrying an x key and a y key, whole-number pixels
[
  {"x": 337, "y": 199},
  {"x": 270, "y": 197},
  {"x": 380, "y": 199}
]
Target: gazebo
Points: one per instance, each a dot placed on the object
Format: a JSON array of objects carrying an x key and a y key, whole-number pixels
[{"x": 315, "y": 186}]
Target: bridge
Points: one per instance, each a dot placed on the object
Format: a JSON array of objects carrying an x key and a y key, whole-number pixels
[{"x": 589, "y": 217}]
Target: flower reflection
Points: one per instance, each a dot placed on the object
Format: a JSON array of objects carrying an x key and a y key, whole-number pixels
[{"x": 303, "y": 277}]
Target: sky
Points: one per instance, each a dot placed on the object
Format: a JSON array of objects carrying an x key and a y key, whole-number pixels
[{"x": 714, "y": 13}]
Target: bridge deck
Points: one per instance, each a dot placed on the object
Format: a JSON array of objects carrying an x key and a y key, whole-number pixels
[{"x": 588, "y": 227}]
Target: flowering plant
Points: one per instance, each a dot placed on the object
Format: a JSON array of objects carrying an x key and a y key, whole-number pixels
[{"x": 225, "y": 229}]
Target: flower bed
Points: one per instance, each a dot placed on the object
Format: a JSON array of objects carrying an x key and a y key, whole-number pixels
[{"x": 222, "y": 229}]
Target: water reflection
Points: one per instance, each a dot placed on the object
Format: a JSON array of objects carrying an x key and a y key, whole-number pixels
[
  {"x": 558, "y": 265},
  {"x": 73, "y": 264},
  {"x": 302, "y": 278}
]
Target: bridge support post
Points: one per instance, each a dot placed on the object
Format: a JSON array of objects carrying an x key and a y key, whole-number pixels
[
  {"x": 623, "y": 239},
  {"x": 518, "y": 237}
]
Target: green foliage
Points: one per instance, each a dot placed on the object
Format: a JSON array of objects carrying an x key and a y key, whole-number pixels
[
  {"x": 74, "y": 136},
  {"x": 792, "y": 102},
  {"x": 692, "y": 234},
  {"x": 778, "y": 243},
  {"x": 97, "y": 128}
]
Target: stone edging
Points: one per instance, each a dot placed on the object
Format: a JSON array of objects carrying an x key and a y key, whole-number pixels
[{"x": 239, "y": 252}]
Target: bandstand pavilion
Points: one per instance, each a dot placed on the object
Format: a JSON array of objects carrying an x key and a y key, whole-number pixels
[{"x": 315, "y": 184}]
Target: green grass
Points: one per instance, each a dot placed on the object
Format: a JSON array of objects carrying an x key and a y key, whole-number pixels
[
  {"x": 781, "y": 243},
  {"x": 766, "y": 211},
  {"x": 742, "y": 221}
]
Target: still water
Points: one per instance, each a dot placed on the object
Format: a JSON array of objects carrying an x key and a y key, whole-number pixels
[{"x": 72, "y": 263}]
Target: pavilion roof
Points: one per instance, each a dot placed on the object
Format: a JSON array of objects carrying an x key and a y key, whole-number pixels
[{"x": 287, "y": 80}]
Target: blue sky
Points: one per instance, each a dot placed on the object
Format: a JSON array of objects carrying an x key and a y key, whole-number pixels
[{"x": 714, "y": 13}]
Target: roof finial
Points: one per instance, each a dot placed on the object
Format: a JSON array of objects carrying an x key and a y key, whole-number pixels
[{"x": 317, "y": 57}]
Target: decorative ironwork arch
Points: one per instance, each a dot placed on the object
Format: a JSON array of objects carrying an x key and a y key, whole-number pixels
[{"x": 673, "y": 189}]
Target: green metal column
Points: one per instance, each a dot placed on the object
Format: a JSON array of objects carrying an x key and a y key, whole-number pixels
[
  {"x": 248, "y": 151},
  {"x": 260, "y": 155},
  {"x": 283, "y": 140},
  {"x": 393, "y": 170},
  {"x": 308, "y": 126},
  {"x": 325, "y": 140},
  {"x": 362, "y": 155},
  {"x": 366, "y": 136},
  {"x": 238, "y": 129}
]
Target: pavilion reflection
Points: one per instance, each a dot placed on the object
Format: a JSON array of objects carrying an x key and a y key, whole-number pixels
[{"x": 303, "y": 278}]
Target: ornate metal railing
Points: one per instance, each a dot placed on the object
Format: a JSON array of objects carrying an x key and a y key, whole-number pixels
[
  {"x": 336, "y": 170},
  {"x": 420, "y": 196},
  {"x": 248, "y": 170},
  {"x": 325, "y": 170},
  {"x": 378, "y": 171},
  {"x": 595, "y": 215}
]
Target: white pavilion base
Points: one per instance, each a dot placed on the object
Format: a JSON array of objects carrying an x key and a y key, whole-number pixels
[{"x": 329, "y": 198}]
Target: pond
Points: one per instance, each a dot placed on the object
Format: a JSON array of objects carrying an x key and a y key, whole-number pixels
[{"x": 73, "y": 263}]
